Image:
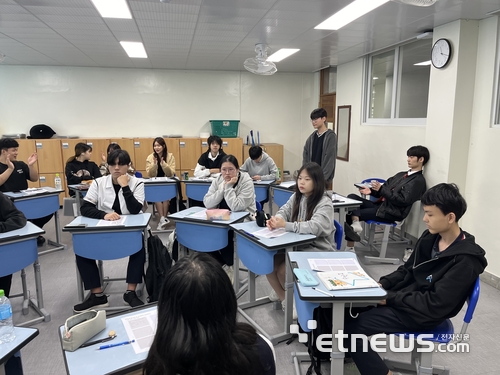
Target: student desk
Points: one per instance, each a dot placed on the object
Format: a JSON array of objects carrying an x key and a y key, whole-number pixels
[
  {"x": 342, "y": 205},
  {"x": 117, "y": 360},
  {"x": 339, "y": 299},
  {"x": 7, "y": 350},
  {"x": 196, "y": 188},
  {"x": 18, "y": 250},
  {"x": 107, "y": 242},
  {"x": 80, "y": 191},
  {"x": 281, "y": 194},
  {"x": 42, "y": 202},
  {"x": 257, "y": 254},
  {"x": 159, "y": 189}
]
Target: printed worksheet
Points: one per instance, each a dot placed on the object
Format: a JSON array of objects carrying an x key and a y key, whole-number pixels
[
  {"x": 111, "y": 223},
  {"x": 342, "y": 274},
  {"x": 266, "y": 233},
  {"x": 142, "y": 329}
]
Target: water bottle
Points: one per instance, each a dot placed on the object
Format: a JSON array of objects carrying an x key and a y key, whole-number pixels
[
  {"x": 57, "y": 182},
  {"x": 278, "y": 175},
  {"x": 6, "y": 327}
]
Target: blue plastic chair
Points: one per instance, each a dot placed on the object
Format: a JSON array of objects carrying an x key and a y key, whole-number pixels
[
  {"x": 339, "y": 234},
  {"x": 258, "y": 206},
  {"x": 421, "y": 363},
  {"x": 138, "y": 174}
]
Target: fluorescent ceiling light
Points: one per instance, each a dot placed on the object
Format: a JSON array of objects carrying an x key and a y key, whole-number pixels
[
  {"x": 282, "y": 54},
  {"x": 423, "y": 63},
  {"x": 134, "y": 49},
  {"x": 375, "y": 77},
  {"x": 348, "y": 14},
  {"x": 113, "y": 8}
]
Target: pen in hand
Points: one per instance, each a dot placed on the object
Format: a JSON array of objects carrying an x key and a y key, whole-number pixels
[{"x": 113, "y": 345}]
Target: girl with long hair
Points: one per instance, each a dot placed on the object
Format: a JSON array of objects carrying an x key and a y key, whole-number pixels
[
  {"x": 161, "y": 163},
  {"x": 197, "y": 332},
  {"x": 309, "y": 210}
]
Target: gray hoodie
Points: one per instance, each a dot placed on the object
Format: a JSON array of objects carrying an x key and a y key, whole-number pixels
[
  {"x": 320, "y": 224},
  {"x": 266, "y": 168}
]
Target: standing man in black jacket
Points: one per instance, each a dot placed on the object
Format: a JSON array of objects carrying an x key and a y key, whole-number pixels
[
  {"x": 10, "y": 219},
  {"x": 430, "y": 287},
  {"x": 395, "y": 196}
]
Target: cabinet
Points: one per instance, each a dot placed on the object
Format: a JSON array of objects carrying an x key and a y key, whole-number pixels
[
  {"x": 47, "y": 179},
  {"x": 26, "y": 148},
  {"x": 68, "y": 149},
  {"x": 126, "y": 144},
  {"x": 49, "y": 156},
  {"x": 274, "y": 150},
  {"x": 234, "y": 146},
  {"x": 142, "y": 148},
  {"x": 190, "y": 151},
  {"x": 99, "y": 146}
]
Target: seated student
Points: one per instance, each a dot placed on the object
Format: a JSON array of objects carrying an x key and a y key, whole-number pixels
[
  {"x": 232, "y": 190},
  {"x": 210, "y": 161},
  {"x": 260, "y": 166},
  {"x": 309, "y": 210},
  {"x": 107, "y": 198},
  {"x": 79, "y": 167},
  {"x": 10, "y": 219},
  {"x": 396, "y": 196},
  {"x": 103, "y": 167},
  {"x": 197, "y": 331},
  {"x": 161, "y": 157},
  {"x": 430, "y": 287},
  {"x": 14, "y": 175}
]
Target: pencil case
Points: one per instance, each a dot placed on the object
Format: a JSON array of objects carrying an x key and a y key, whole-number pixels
[{"x": 80, "y": 328}]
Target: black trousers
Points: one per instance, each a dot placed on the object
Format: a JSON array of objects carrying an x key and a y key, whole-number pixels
[
  {"x": 380, "y": 319},
  {"x": 5, "y": 284},
  {"x": 90, "y": 272},
  {"x": 40, "y": 222},
  {"x": 226, "y": 255},
  {"x": 367, "y": 211}
]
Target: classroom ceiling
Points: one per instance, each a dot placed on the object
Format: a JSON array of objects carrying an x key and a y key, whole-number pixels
[{"x": 211, "y": 34}]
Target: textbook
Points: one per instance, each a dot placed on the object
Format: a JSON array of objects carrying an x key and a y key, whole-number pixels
[{"x": 338, "y": 274}]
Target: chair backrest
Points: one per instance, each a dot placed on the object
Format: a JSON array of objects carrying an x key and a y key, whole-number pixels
[
  {"x": 258, "y": 206},
  {"x": 339, "y": 234},
  {"x": 138, "y": 174},
  {"x": 471, "y": 305}
]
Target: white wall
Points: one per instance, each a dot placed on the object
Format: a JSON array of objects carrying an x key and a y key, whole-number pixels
[{"x": 99, "y": 102}]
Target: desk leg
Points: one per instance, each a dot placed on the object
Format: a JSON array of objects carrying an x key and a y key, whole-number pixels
[
  {"x": 337, "y": 363},
  {"x": 271, "y": 196},
  {"x": 236, "y": 267},
  {"x": 26, "y": 297},
  {"x": 57, "y": 243},
  {"x": 288, "y": 292},
  {"x": 39, "y": 305},
  {"x": 78, "y": 197},
  {"x": 79, "y": 284}
]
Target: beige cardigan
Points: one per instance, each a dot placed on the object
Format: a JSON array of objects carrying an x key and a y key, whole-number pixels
[{"x": 168, "y": 166}]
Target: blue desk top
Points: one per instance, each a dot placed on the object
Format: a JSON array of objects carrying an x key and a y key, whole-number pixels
[
  {"x": 35, "y": 193},
  {"x": 184, "y": 216},
  {"x": 28, "y": 231},
  {"x": 300, "y": 258},
  {"x": 288, "y": 239},
  {"x": 195, "y": 180},
  {"x": 263, "y": 183},
  {"x": 88, "y": 360},
  {"x": 82, "y": 223},
  {"x": 159, "y": 180},
  {"x": 23, "y": 336}
]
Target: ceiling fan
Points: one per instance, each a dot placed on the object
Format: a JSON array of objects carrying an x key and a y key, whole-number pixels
[
  {"x": 259, "y": 64},
  {"x": 418, "y": 3}
]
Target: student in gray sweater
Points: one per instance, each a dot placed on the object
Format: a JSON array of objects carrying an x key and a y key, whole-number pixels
[
  {"x": 260, "y": 166},
  {"x": 309, "y": 210}
]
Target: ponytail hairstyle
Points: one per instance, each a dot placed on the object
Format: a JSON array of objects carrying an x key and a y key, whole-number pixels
[
  {"x": 316, "y": 174},
  {"x": 80, "y": 148},
  {"x": 164, "y": 153},
  {"x": 112, "y": 147}
]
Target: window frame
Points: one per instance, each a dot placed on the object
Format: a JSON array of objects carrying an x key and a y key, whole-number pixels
[
  {"x": 396, "y": 88},
  {"x": 495, "y": 115}
]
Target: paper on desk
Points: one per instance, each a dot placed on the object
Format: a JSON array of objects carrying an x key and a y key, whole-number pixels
[
  {"x": 266, "y": 233},
  {"x": 33, "y": 190},
  {"x": 141, "y": 328},
  {"x": 198, "y": 215},
  {"x": 342, "y": 274},
  {"x": 111, "y": 223},
  {"x": 288, "y": 184}
]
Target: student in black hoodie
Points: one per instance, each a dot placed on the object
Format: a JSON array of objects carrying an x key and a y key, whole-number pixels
[
  {"x": 79, "y": 167},
  {"x": 431, "y": 286}
]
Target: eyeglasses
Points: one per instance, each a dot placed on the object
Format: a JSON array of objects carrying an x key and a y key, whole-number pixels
[{"x": 228, "y": 170}]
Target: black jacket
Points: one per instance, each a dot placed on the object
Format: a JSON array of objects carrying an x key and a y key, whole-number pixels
[
  {"x": 400, "y": 193},
  {"x": 426, "y": 291},
  {"x": 10, "y": 217},
  {"x": 208, "y": 163},
  {"x": 77, "y": 171}
]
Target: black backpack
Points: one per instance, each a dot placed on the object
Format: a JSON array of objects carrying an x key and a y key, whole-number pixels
[
  {"x": 159, "y": 263},
  {"x": 323, "y": 317}
]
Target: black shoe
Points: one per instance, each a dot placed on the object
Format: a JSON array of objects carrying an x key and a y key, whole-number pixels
[
  {"x": 131, "y": 299},
  {"x": 350, "y": 234},
  {"x": 40, "y": 240},
  {"x": 91, "y": 303}
]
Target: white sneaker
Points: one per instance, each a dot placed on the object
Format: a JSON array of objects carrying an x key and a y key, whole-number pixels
[
  {"x": 408, "y": 253},
  {"x": 229, "y": 271},
  {"x": 350, "y": 248},
  {"x": 159, "y": 227},
  {"x": 165, "y": 223},
  {"x": 356, "y": 225},
  {"x": 273, "y": 296},
  {"x": 294, "y": 311}
]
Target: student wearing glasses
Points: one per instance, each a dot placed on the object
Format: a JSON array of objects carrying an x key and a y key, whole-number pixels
[
  {"x": 108, "y": 198},
  {"x": 232, "y": 190}
]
